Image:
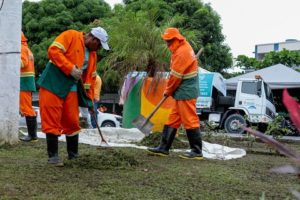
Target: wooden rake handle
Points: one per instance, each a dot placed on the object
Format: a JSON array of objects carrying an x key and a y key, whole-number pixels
[
  {"x": 95, "y": 119},
  {"x": 199, "y": 53},
  {"x": 93, "y": 114}
]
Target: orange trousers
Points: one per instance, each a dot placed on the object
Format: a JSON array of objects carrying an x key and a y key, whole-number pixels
[
  {"x": 184, "y": 112},
  {"x": 26, "y": 108},
  {"x": 59, "y": 116}
]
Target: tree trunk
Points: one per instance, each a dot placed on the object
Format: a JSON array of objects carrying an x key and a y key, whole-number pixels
[{"x": 10, "y": 45}]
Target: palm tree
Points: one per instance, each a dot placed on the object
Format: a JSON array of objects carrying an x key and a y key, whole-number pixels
[{"x": 137, "y": 45}]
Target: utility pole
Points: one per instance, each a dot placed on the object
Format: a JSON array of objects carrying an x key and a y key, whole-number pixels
[{"x": 10, "y": 47}]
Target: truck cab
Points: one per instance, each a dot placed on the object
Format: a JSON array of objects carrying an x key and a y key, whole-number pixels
[
  {"x": 252, "y": 104},
  {"x": 255, "y": 97}
]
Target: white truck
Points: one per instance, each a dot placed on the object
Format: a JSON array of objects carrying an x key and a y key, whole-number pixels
[{"x": 252, "y": 103}]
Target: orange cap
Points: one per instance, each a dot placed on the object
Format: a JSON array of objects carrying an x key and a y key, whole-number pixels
[
  {"x": 171, "y": 33},
  {"x": 23, "y": 38}
]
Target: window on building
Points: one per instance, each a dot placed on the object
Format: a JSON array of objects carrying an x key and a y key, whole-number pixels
[{"x": 276, "y": 46}]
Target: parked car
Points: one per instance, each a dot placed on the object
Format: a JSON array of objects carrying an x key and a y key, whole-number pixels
[
  {"x": 109, "y": 120},
  {"x": 104, "y": 119}
]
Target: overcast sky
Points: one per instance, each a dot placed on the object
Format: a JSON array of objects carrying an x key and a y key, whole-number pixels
[{"x": 249, "y": 22}]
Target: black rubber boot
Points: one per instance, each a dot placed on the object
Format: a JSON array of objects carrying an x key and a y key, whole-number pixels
[
  {"x": 31, "y": 128},
  {"x": 52, "y": 149},
  {"x": 72, "y": 146},
  {"x": 166, "y": 141},
  {"x": 194, "y": 137}
]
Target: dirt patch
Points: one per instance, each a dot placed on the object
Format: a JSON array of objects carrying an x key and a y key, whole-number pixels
[
  {"x": 104, "y": 159},
  {"x": 153, "y": 140}
]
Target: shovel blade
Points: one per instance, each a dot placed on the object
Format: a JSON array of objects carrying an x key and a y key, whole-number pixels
[{"x": 144, "y": 125}]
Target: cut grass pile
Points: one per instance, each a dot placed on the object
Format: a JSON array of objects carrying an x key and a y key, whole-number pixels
[
  {"x": 106, "y": 158},
  {"x": 153, "y": 140}
]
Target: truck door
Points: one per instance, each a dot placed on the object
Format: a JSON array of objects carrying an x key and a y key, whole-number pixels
[
  {"x": 268, "y": 103},
  {"x": 250, "y": 97}
]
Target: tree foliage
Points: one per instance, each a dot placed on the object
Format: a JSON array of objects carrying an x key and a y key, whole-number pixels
[
  {"x": 135, "y": 48},
  {"x": 44, "y": 20},
  {"x": 199, "y": 20},
  {"x": 285, "y": 57},
  {"x": 134, "y": 30},
  {"x": 246, "y": 62}
]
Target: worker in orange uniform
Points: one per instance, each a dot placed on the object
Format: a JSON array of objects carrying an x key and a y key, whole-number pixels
[
  {"x": 27, "y": 86},
  {"x": 183, "y": 86},
  {"x": 97, "y": 91},
  {"x": 72, "y": 62}
]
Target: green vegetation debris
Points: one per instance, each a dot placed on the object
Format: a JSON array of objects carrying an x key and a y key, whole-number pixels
[
  {"x": 105, "y": 158},
  {"x": 153, "y": 140}
]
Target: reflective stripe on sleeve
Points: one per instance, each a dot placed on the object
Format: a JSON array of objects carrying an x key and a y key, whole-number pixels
[
  {"x": 27, "y": 74},
  {"x": 59, "y": 45}
]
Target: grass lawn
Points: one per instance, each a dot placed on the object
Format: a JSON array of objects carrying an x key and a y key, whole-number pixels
[{"x": 127, "y": 173}]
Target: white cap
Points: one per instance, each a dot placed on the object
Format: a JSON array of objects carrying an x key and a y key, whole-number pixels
[{"x": 101, "y": 34}]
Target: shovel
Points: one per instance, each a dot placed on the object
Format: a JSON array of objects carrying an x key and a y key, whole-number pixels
[{"x": 143, "y": 124}]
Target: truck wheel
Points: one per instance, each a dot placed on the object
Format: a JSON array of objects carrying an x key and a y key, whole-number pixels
[{"x": 231, "y": 124}]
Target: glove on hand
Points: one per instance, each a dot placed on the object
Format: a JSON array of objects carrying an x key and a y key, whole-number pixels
[{"x": 76, "y": 73}]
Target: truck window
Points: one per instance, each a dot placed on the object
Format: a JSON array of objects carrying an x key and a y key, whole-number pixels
[
  {"x": 249, "y": 87},
  {"x": 269, "y": 94}
]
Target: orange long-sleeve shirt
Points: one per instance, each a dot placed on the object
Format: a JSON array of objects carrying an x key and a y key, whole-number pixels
[
  {"x": 183, "y": 66},
  {"x": 27, "y": 67},
  {"x": 67, "y": 51}
]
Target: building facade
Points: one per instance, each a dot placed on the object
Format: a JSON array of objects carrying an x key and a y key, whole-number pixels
[{"x": 262, "y": 49}]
